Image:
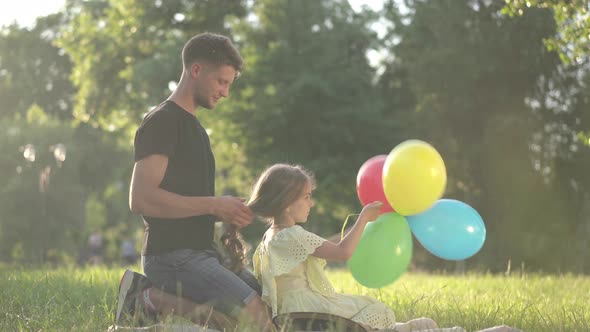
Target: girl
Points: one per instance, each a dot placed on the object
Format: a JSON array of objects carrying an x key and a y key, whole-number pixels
[{"x": 289, "y": 261}]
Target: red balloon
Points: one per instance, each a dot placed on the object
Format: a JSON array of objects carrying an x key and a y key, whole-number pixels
[{"x": 369, "y": 183}]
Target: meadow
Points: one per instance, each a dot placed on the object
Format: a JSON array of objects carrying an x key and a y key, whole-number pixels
[{"x": 83, "y": 299}]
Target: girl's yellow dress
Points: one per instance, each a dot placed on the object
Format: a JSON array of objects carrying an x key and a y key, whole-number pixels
[{"x": 294, "y": 281}]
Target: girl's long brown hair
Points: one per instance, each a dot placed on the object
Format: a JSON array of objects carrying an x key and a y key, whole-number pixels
[
  {"x": 236, "y": 248},
  {"x": 276, "y": 188}
]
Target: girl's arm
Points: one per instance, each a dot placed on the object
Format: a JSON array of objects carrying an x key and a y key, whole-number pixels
[
  {"x": 344, "y": 249},
  {"x": 340, "y": 235}
]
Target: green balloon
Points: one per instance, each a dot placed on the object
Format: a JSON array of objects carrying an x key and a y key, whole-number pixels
[{"x": 384, "y": 251}]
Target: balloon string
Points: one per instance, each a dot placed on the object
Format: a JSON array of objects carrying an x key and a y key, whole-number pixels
[{"x": 344, "y": 226}]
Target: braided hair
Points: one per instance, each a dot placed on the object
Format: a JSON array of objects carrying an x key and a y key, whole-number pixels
[{"x": 277, "y": 187}]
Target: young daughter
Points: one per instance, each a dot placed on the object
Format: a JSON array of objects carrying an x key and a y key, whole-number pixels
[{"x": 289, "y": 262}]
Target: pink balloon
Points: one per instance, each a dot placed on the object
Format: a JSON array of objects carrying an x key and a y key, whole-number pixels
[{"x": 369, "y": 183}]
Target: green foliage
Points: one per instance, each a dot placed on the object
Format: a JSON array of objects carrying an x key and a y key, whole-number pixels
[
  {"x": 473, "y": 74},
  {"x": 509, "y": 119},
  {"x": 96, "y": 218},
  {"x": 572, "y": 39},
  {"x": 33, "y": 70},
  {"x": 560, "y": 144},
  {"x": 36, "y": 115},
  {"x": 43, "y": 201},
  {"x": 125, "y": 53},
  {"x": 307, "y": 97},
  {"x": 35, "y": 194}
]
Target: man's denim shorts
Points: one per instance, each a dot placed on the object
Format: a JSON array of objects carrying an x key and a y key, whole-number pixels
[{"x": 200, "y": 277}]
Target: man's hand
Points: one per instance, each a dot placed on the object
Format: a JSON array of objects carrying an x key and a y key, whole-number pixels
[{"x": 232, "y": 211}]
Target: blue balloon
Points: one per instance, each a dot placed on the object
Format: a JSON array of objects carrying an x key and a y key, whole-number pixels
[{"x": 450, "y": 229}]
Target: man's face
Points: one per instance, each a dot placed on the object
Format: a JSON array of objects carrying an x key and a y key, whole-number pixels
[{"x": 212, "y": 83}]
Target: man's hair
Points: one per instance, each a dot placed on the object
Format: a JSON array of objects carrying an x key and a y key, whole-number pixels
[{"x": 213, "y": 48}]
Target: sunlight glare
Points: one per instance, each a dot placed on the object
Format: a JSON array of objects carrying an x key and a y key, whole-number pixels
[{"x": 25, "y": 12}]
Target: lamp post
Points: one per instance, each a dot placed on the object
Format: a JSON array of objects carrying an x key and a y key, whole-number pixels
[
  {"x": 58, "y": 156},
  {"x": 58, "y": 152}
]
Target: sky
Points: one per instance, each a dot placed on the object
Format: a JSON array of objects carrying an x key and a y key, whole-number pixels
[{"x": 24, "y": 12}]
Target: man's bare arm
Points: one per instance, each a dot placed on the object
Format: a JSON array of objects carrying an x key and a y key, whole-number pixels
[{"x": 147, "y": 198}]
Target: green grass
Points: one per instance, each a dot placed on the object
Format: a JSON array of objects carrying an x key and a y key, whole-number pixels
[
  {"x": 531, "y": 303},
  {"x": 84, "y": 299}
]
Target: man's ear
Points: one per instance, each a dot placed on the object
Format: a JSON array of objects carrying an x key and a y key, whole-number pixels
[{"x": 195, "y": 69}]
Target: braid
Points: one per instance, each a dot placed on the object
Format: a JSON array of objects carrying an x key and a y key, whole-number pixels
[
  {"x": 277, "y": 187},
  {"x": 235, "y": 247}
]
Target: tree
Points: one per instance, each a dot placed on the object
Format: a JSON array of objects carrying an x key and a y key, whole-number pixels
[
  {"x": 36, "y": 108},
  {"x": 33, "y": 70},
  {"x": 573, "y": 24},
  {"x": 562, "y": 104},
  {"x": 51, "y": 168},
  {"x": 471, "y": 71},
  {"x": 307, "y": 97},
  {"x": 561, "y": 155},
  {"x": 126, "y": 59},
  {"x": 126, "y": 54},
  {"x": 572, "y": 39}
]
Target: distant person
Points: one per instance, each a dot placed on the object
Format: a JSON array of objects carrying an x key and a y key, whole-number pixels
[
  {"x": 128, "y": 252},
  {"x": 94, "y": 254}
]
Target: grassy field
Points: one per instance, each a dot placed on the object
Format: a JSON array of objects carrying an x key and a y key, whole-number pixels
[{"x": 84, "y": 299}]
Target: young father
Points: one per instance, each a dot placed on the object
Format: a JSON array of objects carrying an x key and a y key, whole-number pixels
[{"x": 173, "y": 188}]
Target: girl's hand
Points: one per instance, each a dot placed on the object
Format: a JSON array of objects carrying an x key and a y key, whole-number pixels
[{"x": 371, "y": 211}]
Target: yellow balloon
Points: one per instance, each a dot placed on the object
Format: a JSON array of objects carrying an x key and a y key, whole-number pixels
[{"x": 414, "y": 177}]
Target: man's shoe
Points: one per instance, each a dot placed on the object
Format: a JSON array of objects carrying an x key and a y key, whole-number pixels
[{"x": 130, "y": 307}]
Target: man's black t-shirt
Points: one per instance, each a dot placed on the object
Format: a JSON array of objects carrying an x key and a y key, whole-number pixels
[{"x": 169, "y": 130}]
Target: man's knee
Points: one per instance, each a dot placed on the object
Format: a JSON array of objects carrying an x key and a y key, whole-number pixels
[
  {"x": 255, "y": 303},
  {"x": 259, "y": 312},
  {"x": 256, "y": 308}
]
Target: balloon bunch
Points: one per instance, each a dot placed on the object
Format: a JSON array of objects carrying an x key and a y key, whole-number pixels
[{"x": 410, "y": 182}]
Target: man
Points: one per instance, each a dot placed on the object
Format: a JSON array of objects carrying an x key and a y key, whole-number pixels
[{"x": 173, "y": 186}]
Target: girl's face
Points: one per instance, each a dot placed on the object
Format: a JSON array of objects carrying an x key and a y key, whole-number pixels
[{"x": 298, "y": 211}]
